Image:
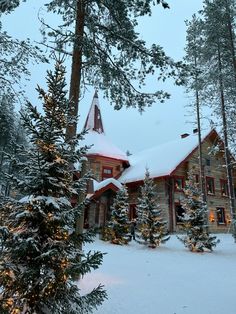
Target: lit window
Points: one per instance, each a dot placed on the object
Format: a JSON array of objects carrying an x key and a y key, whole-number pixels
[
  {"x": 220, "y": 214},
  {"x": 179, "y": 184},
  {"x": 210, "y": 186},
  {"x": 224, "y": 187}
]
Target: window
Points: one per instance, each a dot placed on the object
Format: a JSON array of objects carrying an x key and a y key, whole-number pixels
[
  {"x": 107, "y": 172},
  {"x": 220, "y": 214},
  {"x": 224, "y": 187},
  {"x": 179, "y": 183},
  {"x": 210, "y": 185},
  {"x": 179, "y": 213},
  {"x": 208, "y": 162}
]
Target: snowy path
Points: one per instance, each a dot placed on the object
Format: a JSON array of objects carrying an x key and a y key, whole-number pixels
[{"x": 166, "y": 280}]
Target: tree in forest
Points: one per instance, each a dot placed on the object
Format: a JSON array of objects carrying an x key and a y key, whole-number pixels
[
  {"x": 151, "y": 227},
  {"x": 194, "y": 84},
  {"x": 40, "y": 252},
  {"x": 118, "y": 225},
  {"x": 216, "y": 66},
  {"x": 12, "y": 136},
  {"x": 197, "y": 237},
  {"x": 15, "y": 55},
  {"x": 7, "y": 127}
]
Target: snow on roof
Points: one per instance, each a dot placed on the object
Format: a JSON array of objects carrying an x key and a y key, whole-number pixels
[
  {"x": 160, "y": 160},
  {"x": 99, "y": 185},
  {"x": 102, "y": 146}
]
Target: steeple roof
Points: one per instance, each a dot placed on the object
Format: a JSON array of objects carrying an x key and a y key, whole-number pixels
[
  {"x": 95, "y": 137},
  {"x": 94, "y": 118}
]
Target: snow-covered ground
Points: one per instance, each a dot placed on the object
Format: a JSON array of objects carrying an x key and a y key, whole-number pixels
[{"x": 166, "y": 280}]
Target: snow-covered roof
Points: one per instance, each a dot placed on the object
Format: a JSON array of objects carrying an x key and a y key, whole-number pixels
[
  {"x": 99, "y": 185},
  {"x": 101, "y": 145},
  {"x": 160, "y": 160}
]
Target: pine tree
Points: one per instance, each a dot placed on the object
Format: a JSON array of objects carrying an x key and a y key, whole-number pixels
[
  {"x": 41, "y": 255},
  {"x": 15, "y": 55},
  {"x": 7, "y": 127},
  {"x": 217, "y": 64},
  {"x": 197, "y": 238},
  {"x": 119, "y": 222},
  {"x": 9, "y": 5},
  {"x": 195, "y": 82},
  {"x": 151, "y": 227},
  {"x": 11, "y": 137}
]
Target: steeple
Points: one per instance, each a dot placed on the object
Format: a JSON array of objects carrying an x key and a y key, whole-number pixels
[{"x": 94, "y": 118}]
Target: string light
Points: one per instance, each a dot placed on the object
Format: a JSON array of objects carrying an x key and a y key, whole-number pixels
[{"x": 15, "y": 311}]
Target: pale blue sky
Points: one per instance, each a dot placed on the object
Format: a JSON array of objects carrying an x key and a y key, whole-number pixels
[{"x": 127, "y": 128}]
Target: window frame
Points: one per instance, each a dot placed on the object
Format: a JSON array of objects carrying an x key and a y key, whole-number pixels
[
  {"x": 223, "y": 222},
  {"x": 213, "y": 181},
  {"x": 182, "y": 183},
  {"x": 224, "y": 182},
  {"x": 107, "y": 175}
]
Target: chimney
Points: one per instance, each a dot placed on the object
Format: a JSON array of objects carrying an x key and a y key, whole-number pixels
[{"x": 184, "y": 135}]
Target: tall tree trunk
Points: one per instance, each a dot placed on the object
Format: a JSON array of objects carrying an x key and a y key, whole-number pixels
[
  {"x": 74, "y": 95},
  {"x": 231, "y": 36},
  {"x": 76, "y": 68},
  {"x": 226, "y": 148},
  {"x": 201, "y": 167}
]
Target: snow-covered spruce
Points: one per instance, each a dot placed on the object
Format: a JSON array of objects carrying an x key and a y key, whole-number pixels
[
  {"x": 12, "y": 136},
  {"x": 151, "y": 227},
  {"x": 41, "y": 252},
  {"x": 194, "y": 220},
  {"x": 118, "y": 226}
]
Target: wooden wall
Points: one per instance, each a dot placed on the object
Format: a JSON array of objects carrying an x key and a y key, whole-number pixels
[{"x": 96, "y": 164}]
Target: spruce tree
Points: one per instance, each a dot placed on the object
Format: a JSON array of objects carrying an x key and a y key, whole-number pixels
[
  {"x": 151, "y": 227},
  {"x": 11, "y": 136},
  {"x": 197, "y": 237},
  {"x": 7, "y": 135},
  {"x": 41, "y": 254},
  {"x": 119, "y": 222}
]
